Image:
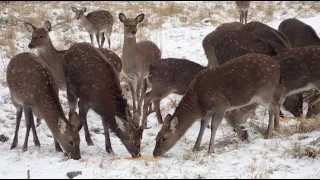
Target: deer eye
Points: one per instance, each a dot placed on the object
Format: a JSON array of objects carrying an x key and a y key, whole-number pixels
[
  {"x": 71, "y": 143},
  {"x": 40, "y": 37},
  {"x": 163, "y": 140},
  {"x": 312, "y": 107}
]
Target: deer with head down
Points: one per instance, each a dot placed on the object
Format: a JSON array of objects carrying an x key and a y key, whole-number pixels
[
  {"x": 85, "y": 68},
  {"x": 300, "y": 34},
  {"x": 34, "y": 91},
  {"x": 136, "y": 58},
  {"x": 252, "y": 78}
]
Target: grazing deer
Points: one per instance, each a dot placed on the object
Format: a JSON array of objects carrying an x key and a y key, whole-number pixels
[
  {"x": 314, "y": 105},
  {"x": 166, "y": 76},
  {"x": 299, "y": 34},
  {"x": 243, "y": 7},
  {"x": 136, "y": 58},
  {"x": 252, "y": 78},
  {"x": 85, "y": 70},
  {"x": 299, "y": 70},
  {"x": 34, "y": 91},
  {"x": 96, "y": 22}
]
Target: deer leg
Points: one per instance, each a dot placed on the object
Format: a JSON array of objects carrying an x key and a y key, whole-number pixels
[
  {"x": 245, "y": 16},
  {"x": 108, "y": 147},
  {"x": 34, "y": 133},
  {"x": 102, "y": 39},
  {"x": 215, "y": 122},
  {"x": 157, "y": 109},
  {"x": 83, "y": 110},
  {"x": 109, "y": 31},
  {"x": 133, "y": 92},
  {"x": 29, "y": 118},
  {"x": 204, "y": 122},
  {"x": 272, "y": 112},
  {"x": 91, "y": 38},
  {"x": 38, "y": 122},
  {"x": 18, "y": 120},
  {"x": 140, "y": 88},
  {"x": 143, "y": 92},
  {"x": 98, "y": 39}
]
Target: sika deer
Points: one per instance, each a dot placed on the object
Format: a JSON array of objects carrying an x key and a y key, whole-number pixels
[
  {"x": 85, "y": 69},
  {"x": 96, "y": 22},
  {"x": 165, "y": 79},
  {"x": 299, "y": 34},
  {"x": 34, "y": 90},
  {"x": 314, "y": 105},
  {"x": 213, "y": 38},
  {"x": 252, "y": 78},
  {"x": 300, "y": 70},
  {"x": 136, "y": 58},
  {"x": 53, "y": 58},
  {"x": 243, "y": 7}
]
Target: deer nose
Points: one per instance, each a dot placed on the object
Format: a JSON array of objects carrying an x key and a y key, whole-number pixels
[
  {"x": 30, "y": 46},
  {"x": 133, "y": 32},
  {"x": 156, "y": 154}
]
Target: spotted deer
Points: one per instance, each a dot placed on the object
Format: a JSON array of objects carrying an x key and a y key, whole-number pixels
[
  {"x": 34, "y": 91},
  {"x": 210, "y": 40},
  {"x": 53, "y": 58},
  {"x": 252, "y": 78},
  {"x": 85, "y": 68},
  {"x": 243, "y": 7},
  {"x": 98, "y": 22},
  {"x": 299, "y": 70},
  {"x": 299, "y": 34},
  {"x": 136, "y": 58},
  {"x": 165, "y": 80}
]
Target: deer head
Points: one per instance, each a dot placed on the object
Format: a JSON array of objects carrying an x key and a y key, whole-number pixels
[
  {"x": 167, "y": 136},
  {"x": 130, "y": 24},
  {"x": 40, "y": 36},
  {"x": 69, "y": 138},
  {"x": 79, "y": 13}
]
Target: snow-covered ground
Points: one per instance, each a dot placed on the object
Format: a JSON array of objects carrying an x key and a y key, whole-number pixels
[{"x": 258, "y": 158}]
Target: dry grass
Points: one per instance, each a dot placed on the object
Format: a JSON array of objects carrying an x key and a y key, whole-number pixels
[
  {"x": 305, "y": 126},
  {"x": 297, "y": 150}
]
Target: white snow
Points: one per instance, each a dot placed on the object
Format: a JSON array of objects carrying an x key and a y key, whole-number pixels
[{"x": 258, "y": 158}]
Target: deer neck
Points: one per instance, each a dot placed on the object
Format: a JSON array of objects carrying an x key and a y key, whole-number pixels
[
  {"x": 129, "y": 52},
  {"x": 54, "y": 127},
  {"x": 187, "y": 113},
  {"x": 53, "y": 60}
]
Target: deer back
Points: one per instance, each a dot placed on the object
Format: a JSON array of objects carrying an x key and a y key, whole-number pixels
[
  {"x": 113, "y": 58},
  {"x": 173, "y": 73},
  {"x": 299, "y": 33}
]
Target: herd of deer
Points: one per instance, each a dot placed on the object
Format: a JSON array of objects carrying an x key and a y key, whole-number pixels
[{"x": 249, "y": 64}]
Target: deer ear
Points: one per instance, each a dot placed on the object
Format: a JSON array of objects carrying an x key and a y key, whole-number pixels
[
  {"x": 120, "y": 123},
  {"x": 74, "y": 9},
  {"x": 167, "y": 120},
  {"x": 29, "y": 27},
  {"x": 75, "y": 121},
  {"x": 47, "y": 26},
  {"x": 122, "y": 17},
  {"x": 84, "y": 9},
  {"x": 140, "y": 18},
  {"x": 174, "y": 122}
]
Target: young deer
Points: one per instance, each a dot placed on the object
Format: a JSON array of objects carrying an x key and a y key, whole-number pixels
[
  {"x": 165, "y": 80},
  {"x": 136, "y": 58},
  {"x": 243, "y": 7},
  {"x": 293, "y": 28},
  {"x": 35, "y": 91},
  {"x": 96, "y": 22},
  {"x": 252, "y": 78},
  {"x": 85, "y": 70}
]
